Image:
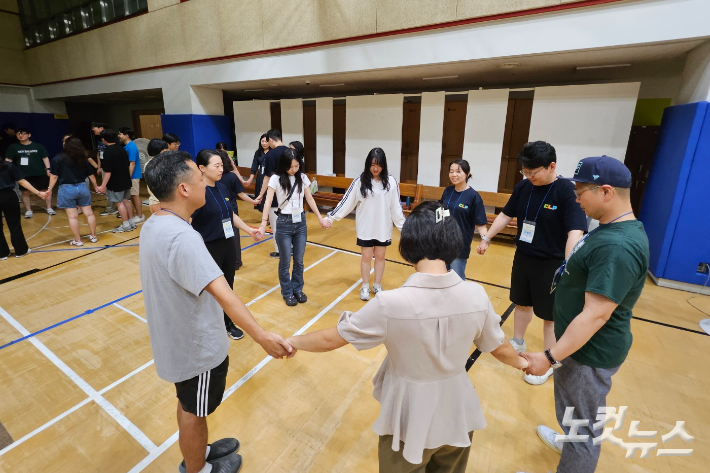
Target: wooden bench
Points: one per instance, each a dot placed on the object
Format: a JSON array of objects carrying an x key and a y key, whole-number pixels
[{"x": 492, "y": 199}]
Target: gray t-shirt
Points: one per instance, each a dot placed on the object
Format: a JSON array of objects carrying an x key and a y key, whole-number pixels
[{"x": 186, "y": 325}]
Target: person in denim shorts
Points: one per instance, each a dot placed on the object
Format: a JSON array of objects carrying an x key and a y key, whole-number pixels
[{"x": 71, "y": 168}]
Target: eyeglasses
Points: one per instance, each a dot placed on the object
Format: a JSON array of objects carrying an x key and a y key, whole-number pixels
[
  {"x": 578, "y": 192},
  {"x": 22, "y": 133},
  {"x": 530, "y": 175}
]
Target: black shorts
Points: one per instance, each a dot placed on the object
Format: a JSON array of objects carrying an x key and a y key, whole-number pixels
[
  {"x": 372, "y": 243},
  {"x": 202, "y": 394},
  {"x": 530, "y": 282},
  {"x": 38, "y": 182}
]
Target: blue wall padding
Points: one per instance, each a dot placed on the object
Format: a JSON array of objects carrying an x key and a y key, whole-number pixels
[
  {"x": 46, "y": 129},
  {"x": 197, "y": 132},
  {"x": 676, "y": 192}
]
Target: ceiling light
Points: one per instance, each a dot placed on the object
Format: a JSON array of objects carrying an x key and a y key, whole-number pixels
[
  {"x": 253, "y": 90},
  {"x": 605, "y": 66},
  {"x": 439, "y": 77},
  {"x": 272, "y": 85},
  {"x": 331, "y": 85},
  {"x": 509, "y": 65}
]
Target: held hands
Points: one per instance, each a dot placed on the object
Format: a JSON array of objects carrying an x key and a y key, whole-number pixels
[
  {"x": 42, "y": 195},
  {"x": 325, "y": 222},
  {"x": 482, "y": 247},
  {"x": 537, "y": 363},
  {"x": 275, "y": 345},
  {"x": 258, "y": 200},
  {"x": 255, "y": 234},
  {"x": 101, "y": 189}
]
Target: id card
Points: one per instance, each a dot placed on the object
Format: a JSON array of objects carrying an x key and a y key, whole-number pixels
[
  {"x": 296, "y": 215},
  {"x": 528, "y": 231},
  {"x": 24, "y": 161},
  {"x": 228, "y": 229}
]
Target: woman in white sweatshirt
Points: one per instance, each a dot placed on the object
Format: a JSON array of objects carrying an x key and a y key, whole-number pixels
[{"x": 375, "y": 193}]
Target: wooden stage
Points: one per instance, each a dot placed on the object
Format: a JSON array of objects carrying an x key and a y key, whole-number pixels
[{"x": 82, "y": 395}]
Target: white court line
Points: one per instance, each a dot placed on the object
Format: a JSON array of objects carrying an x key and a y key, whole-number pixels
[
  {"x": 131, "y": 312},
  {"x": 123, "y": 421},
  {"x": 48, "y": 424},
  {"x": 173, "y": 438}
]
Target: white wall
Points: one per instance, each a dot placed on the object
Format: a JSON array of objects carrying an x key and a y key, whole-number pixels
[
  {"x": 483, "y": 139},
  {"x": 324, "y": 135},
  {"x": 207, "y": 101},
  {"x": 431, "y": 134},
  {"x": 251, "y": 120},
  {"x": 373, "y": 121},
  {"x": 292, "y": 120},
  {"x": 584, "y": 120},
  {"x": 696, "y": 76},
  {"x": 15, "y": 99}
]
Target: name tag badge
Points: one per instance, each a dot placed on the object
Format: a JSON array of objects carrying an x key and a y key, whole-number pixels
[
  {"x": 24, "y": 161},
  {"x": 528, "y": 231},
  {"x": 296, "y": 215},
  {"x": 228, "y": 229}
]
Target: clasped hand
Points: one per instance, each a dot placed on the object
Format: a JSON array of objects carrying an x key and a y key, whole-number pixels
[
  {"x": 538, "y": 364},
  {"x": 276, "y": 346}
]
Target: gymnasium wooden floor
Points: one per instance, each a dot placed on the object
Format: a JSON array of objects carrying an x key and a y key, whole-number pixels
[{"x": 82, "y": 395}]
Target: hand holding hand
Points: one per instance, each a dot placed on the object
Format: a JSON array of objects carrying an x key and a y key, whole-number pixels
[
  {"x": 537, "y": 363},
  {"x": 523, "y": 363},
  {"x": 42, "y": 195},
  {"x": 101, "y": 189},
  {"x": 259, "y": 199},
  {"x": 275, "y": 345},
  {"x": 325, "y": 222},
  {"x": 482, "y": 247}
]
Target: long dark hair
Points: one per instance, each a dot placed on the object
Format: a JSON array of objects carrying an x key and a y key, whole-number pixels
[
  {"x": 375, "y": 156},
  {"x": 227, "y": 162},
  {"x": 260, "y": 150},
  {"x": 75, "y": 151},
  {"x": 282, "y": 170}
]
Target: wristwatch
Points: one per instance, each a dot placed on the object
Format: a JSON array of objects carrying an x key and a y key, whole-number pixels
[{"x": 554, "y": 363}]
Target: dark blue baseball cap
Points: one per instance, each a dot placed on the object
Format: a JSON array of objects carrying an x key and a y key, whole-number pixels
[{"x": 602, "y": 170}]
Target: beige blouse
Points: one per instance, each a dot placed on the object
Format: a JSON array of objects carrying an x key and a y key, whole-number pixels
[{"x": 427, "y": 399}]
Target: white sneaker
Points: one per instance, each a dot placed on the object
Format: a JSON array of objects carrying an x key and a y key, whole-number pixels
[
  {"x": 365, "y": 292},
  {"x": 3, "y": 258},
  {"x": 28, "y": 252},
  {"x": 136, "y": 220},
  {"x": 548, "y": 436},
  {"x": 537, "y": 380},
  {"x": 376, "y": 288},
  {"x": 29, "y": 214},
  {"x": 519, "y": 348},
  {"x": 51, "y": 211},
  {"x": 123, "y": 228}
]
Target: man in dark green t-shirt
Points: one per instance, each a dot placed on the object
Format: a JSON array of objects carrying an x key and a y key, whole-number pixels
[
  {"x": 595, "y": 291},
  {"x": 33, "y": 161}
]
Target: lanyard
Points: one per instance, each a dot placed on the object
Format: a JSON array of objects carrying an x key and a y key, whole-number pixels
[
  {"x": 457, "y": 200},
  {"x": 170, "y": 211},
  {"x": 602, "y": 225},
  {"x": 215, "y": 199},
  {"x": 541, "y": 203}
]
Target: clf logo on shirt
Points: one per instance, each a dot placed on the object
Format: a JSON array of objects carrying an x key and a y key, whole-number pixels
[
  {"x": 551, "y": 207},
  {"x": 463, "y": 206}
]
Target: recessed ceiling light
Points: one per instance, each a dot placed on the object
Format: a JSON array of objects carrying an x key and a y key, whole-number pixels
[
  {"x": 605, "y": 66},
  {"x": 331, "y": 85},
  {"x": 439, "y": 77},
  {"x": 273, "y": 85},
  {"x": 509, "y": 65}
]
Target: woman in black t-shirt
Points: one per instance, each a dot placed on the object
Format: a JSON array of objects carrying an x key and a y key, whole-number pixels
[
  {"x": 10, "y": 208},
  {"x": 71, "y": 168},
  {"x": 257, "y": 169}
]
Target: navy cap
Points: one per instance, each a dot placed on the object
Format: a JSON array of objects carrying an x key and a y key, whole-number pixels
[{"x": 602, "y": 170}]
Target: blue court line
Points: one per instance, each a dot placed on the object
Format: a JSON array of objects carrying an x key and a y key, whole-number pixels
[{"x": 91, "y": 311}]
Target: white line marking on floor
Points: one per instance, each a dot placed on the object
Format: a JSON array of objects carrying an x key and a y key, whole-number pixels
[
  {"x": 131, "y": 312},
  {"x": 135, "y": 432},
  {"x": 173, "y": 438}
]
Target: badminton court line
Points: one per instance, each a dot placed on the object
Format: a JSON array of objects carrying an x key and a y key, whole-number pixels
[
  {"x": 48, "y": 424},
  {"x": 173, "y": 438}
]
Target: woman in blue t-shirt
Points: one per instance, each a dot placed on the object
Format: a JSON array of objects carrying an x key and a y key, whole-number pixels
[
  {"x": 216, "y": 220},
  {"x": 466, "y": 207}
]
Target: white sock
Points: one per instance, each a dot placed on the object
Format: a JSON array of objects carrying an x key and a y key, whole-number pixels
[
  {"x": 126, "y": 223},
  {"x": 207, "y": 453},
  {"x": 366, "y": 284},
  {"x": 206, "y": 469}
]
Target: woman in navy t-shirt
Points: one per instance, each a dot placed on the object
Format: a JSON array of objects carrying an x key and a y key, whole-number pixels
[{"x": 466, "y": 207}]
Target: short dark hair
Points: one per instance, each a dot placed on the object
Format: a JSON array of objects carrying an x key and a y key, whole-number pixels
[
  {"x": 273, "y": 134},
  {"x": 463, "y": 164},
  {"x": 23, "y": 129},
  {"x": 109, "y": 135},
  {"x": 164, "y": 172},
  {"x": 155, "y": 146},
  {"x": 537, "y": 154},
  {"x": 9, "y": 126},
  {"x": 204, "y": 155},
  {"x": 221, "y": 145},
  {"x": 126, "y": 130},
  {"x": 422, "y": 237},
  {"x": 98, "y": 125},
  {"x": 171, "y": 138}
]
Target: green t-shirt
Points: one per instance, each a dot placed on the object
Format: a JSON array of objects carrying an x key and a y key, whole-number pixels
[
  {"x": 612, "y": 261},
  {"x": 28, "y": 158}
]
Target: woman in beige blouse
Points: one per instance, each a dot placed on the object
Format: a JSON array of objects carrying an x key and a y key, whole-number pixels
[{"x": 429, "y": 408}]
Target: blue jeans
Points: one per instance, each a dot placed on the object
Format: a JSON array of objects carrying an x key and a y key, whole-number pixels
[
  {"x": 459, "y": 267},
  {"x": 291, "y": 239},
  {"x": 71, "y": 195}
]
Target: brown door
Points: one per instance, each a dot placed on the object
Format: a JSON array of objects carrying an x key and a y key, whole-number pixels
[
  {"x": 452, "y": 142},
  {"x": 339, "y": 139},
  {"x": 309, "y": 136},
  {"x": 639, "y": 154},
  {"x": 410, "y": 141},
  {"x": 148, "y": 124},
  {"x": 276, "y": 116},
  {"x": 517, "y": 131}
]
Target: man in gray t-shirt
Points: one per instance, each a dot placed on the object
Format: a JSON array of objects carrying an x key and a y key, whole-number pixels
[{"x": 185, "y": 293}]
